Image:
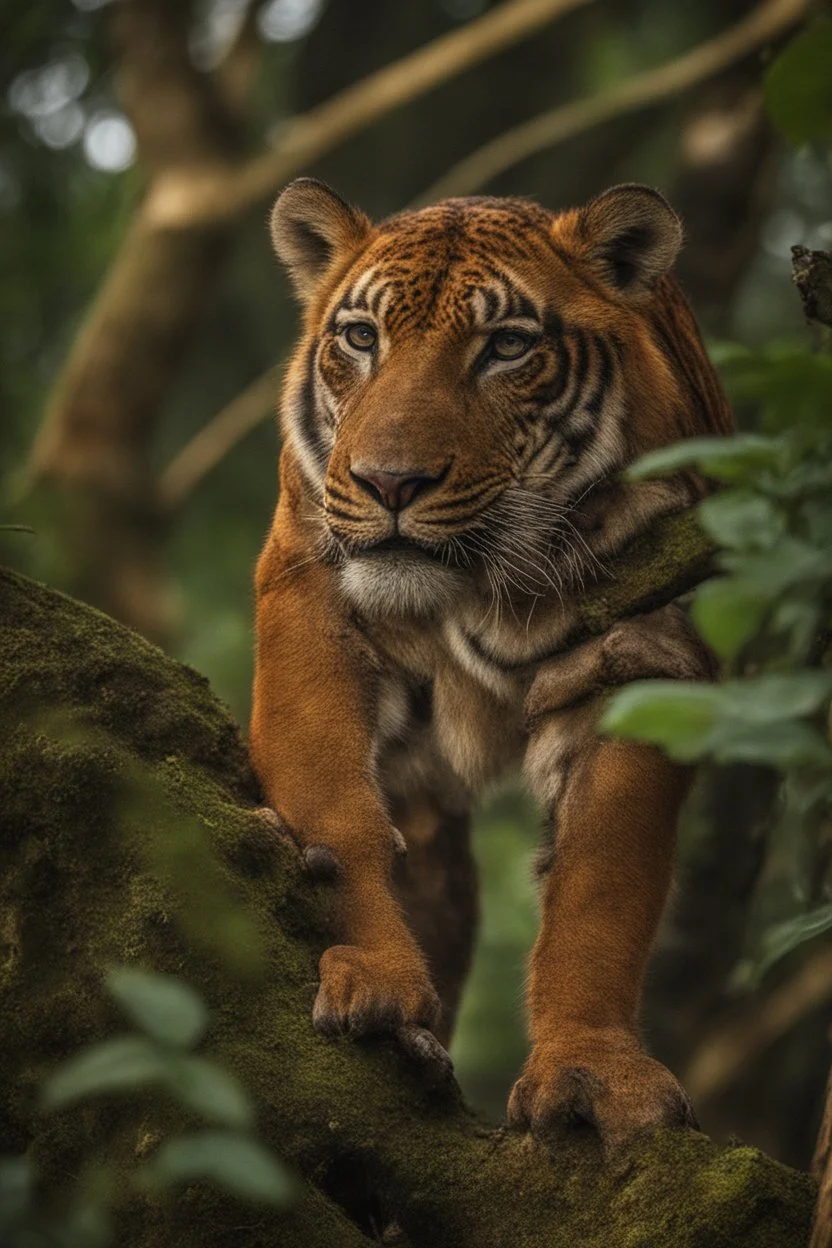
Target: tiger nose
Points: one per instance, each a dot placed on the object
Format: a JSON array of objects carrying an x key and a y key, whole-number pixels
[{"x": 394, "y": 490}]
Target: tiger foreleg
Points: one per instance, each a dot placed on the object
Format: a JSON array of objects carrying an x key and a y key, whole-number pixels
[
  {"x": 312, "y": 741},
  {"x": 615, "y": 806}
]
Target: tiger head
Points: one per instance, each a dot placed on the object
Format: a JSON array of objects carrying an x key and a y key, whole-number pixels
[{"x": 468, "y": 372}]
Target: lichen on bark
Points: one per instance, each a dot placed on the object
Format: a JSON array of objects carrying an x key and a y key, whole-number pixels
[{"x": 128, "y": 837}]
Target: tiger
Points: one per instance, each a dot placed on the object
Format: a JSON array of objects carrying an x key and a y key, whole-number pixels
[{"x": 470, "y": 382}]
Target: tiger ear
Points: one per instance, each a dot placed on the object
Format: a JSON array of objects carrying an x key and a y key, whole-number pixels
[
  {"x": 631, "y": 236},
  {"x": 312, "y": 228}
]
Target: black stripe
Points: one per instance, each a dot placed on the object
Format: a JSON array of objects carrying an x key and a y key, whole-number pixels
[
  {"x": 553, "y": 391},
  {"x": 308, "y": 423},
  {"x": 520, "y": 305},
  {"x": 459, "y": 500},
  {"x": 342, "y": 515},
  {"x": 578, "y": 437},
  {"x": 606, "y": 376},
  {"x": 333, "y": 491},
  {"x": 579, "y": 369},
  {"x": 486, "y": 655},
  {"x": 492, "y": 304}
]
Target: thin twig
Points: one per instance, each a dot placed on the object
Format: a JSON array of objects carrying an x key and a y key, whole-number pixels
[
  {"x": 215, "y": 440},
  {"x": 236, "y": 72},
  {"x": 569, "y": 120},
  {"x": 730, "y": 1049},
  {"x": 186, "y": 198}
]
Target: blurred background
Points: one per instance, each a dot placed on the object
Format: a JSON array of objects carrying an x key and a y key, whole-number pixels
[{"x": 144, "y": 323}]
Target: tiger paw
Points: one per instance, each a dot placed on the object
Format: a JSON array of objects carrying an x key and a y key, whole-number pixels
[
  {"x": 365, "y": 991},
  {"x": 603, "y": 1078}
]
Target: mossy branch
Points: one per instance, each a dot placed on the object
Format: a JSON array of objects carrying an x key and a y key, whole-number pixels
[
  {"x": 670, "y": 559},
  {"x": 128, "y": 837}
]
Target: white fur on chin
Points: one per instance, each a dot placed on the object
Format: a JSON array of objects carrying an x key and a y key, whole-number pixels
[{"x": 401, "y": 583}]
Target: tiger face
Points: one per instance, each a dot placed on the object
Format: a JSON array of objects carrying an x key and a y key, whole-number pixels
[{"x": 471, "y": 371}]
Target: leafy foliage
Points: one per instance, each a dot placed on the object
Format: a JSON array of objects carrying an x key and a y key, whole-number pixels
[
  {"x": 230, "y": 1159},
  {"x": 798, "y": 88},
  {"x": 171, "y": 1019},
  {"x": 767, "y": 615}
]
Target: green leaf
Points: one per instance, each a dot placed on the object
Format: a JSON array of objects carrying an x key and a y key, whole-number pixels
[
  {"x": 116, "y": 1065},
  {"x": 727, "y": 459},
  {"x": 88, "y": 1225},
  {"x": 160, "y": 1005},
  {"x": 234, "y": 1162},
  {"x": 16, "y": 1186},
  {"x": 742, "y": 520},
  {"x": 783, "y": 937},
  {"x": 678, "y": 715},
  {"x": 792, "y": 385},
  {"x": 728, "y": 614},
  {"x": 792, "y": 562},
  {"x": 798, "y": 86},
  {"x": 790, "y": 744},
  {"x": 799, "y": 620},
  {"x": 775, "y": 696},
  {"x": 738, "y": 721},
  {"x": 209, "y": 1089}
]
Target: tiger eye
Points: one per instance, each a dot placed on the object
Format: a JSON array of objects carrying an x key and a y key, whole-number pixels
[
  {"x": 361, "y": 336},
  {"x": 508, "y": 344}
]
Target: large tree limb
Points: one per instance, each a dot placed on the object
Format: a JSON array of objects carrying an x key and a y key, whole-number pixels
[
  {"x": 128, "y": 836},
  {"x": 669, "y": 559}
]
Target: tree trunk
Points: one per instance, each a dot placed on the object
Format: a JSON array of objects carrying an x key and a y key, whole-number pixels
[
  {"x": 128, "y": 837},
  {"x": 822, "y": 1170}
]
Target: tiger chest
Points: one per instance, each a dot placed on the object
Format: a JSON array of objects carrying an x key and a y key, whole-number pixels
[{"x": 442, "y": 729}]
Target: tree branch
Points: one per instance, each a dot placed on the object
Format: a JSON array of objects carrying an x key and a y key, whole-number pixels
[
  {"x": 126, "y": 822},
  {"x": 736, "y": 1043},
  {"x": 568, "y": 121},
  {"x": 215, "y": 440},
  {"x": 92, "y": 452},
  {"x": 670, "y": 559},
  {"x": 213, "y": 195},
  {"x": 91, "y": 460}
]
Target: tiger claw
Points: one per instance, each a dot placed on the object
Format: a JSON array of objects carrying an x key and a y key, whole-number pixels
[
  {"x": 422, "y": 1045},
  {"x": 319, "y": 861},
  {"x": 399, "y": 843},
  {"x": 276, "y": 825}
]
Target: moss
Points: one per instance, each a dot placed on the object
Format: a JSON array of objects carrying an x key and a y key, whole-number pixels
[
  {"x": 127, "y": 836},
  {"x": 672, "y": 558}
]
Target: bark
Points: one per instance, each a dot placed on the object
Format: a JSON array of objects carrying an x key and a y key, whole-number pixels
[
  {"x": 724, "y": 188},
  {"x": 822, "y": 1170},
  {"x": 128, "y": 836},
  {"x": 670, "y": 559},
  {"x": 92, "y": 457}
]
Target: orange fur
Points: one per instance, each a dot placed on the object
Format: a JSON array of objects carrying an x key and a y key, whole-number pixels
[{"x": 449, "y": 480}]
